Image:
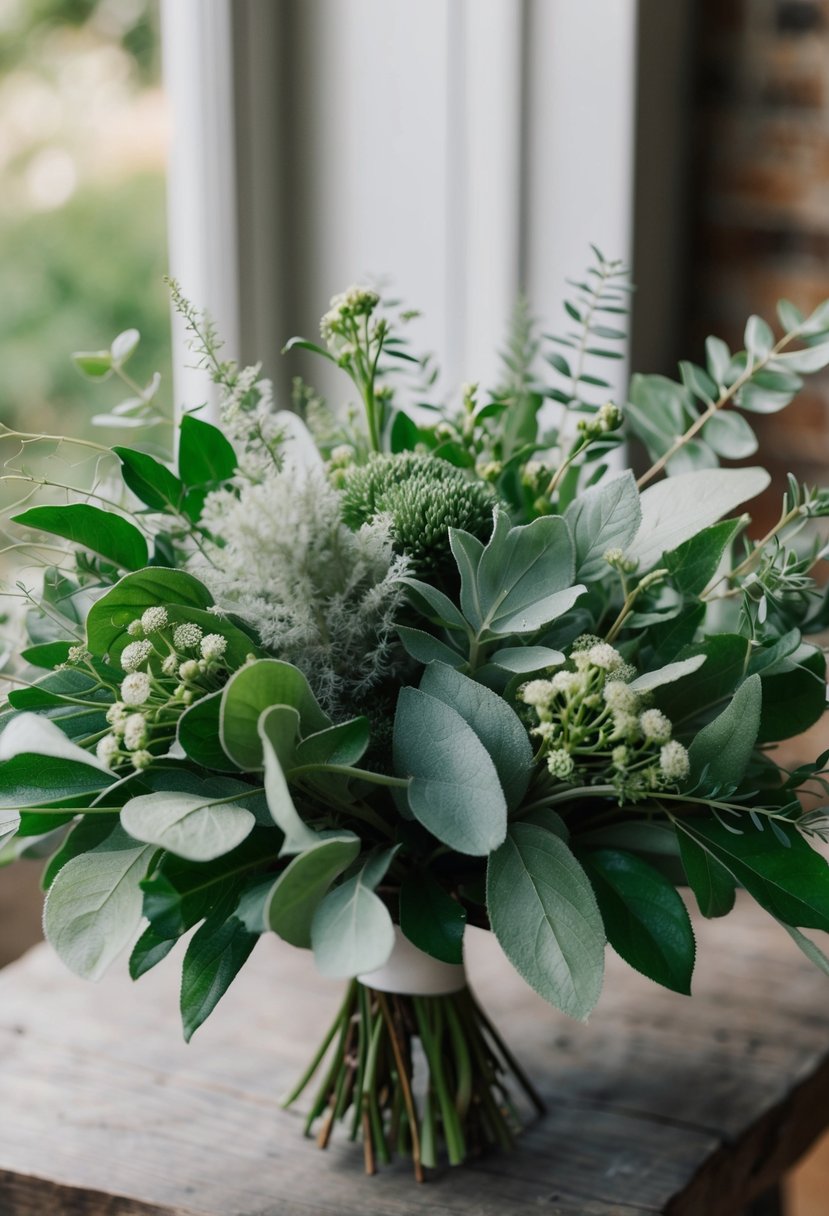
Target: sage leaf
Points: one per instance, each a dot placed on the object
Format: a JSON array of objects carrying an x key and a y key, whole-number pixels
[
  {"x": 606, "y": 516},
  {"x": 544, "y": 914},
  {"x": 453, "y": 789},
  {"x": 720, "y": 753},
  {"x": 679, "y": 507},
  {"x": 525, "y": 575},
  {"x": 93, "y": 908},
  {"x": 668, "y": 674},
  {"x": 425, "y": 648}
]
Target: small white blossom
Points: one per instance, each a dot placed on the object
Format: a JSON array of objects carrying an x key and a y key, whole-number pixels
[
  {"x": 135, "y": 654},
  {"x": 213, "y": 646},
  {"x": 135, "y": 732},
  {"x": 673, "y": 761},
  {"x": 560, "y": 764},
  {"x": 545, "y": 731},
  {"x": 107, "y": 750},
  {"x": 605, "y": 656},
  {"x": 567, "y": 682},
  {"x": 189, "y": 671},
  {"x": 78, "y": 654},
  {"x": 135, "y": 629},
  {"x": 625, "y": 726},
  {"x": 619, "y": 757},
  {"x": 187, "y": 636},
  {"x": 170, "y": 665},
  {"x": 142, "y": 759},
  {"x": 537, "y": 693},
  {"x": 655, "y": 726},
  {"x": 620, "y": 697},
  {"x": 153, "y": 619},
  {"x": 135, "y": 689}
]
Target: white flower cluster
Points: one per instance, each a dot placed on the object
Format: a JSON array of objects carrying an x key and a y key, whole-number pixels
[
  {"x": 162, "y": 677},
  {"x": 592, "y": 723},
  {"x": 347, "y": 306}
]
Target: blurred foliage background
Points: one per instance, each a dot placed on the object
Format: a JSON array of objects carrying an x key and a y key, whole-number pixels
[{"x": 82, "y": 205}]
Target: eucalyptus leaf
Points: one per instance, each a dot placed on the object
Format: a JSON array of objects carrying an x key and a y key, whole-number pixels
[
  {"x": 351, "y": 930},
  {"x": 255, "y": 688},
  {"x": 300, "y": 888},
  {"x": 729, "y": 435},
  {"x": 544, "y": 914},
  {"x": 273, "y": 732},
  {"x": 189, "y": 825}
]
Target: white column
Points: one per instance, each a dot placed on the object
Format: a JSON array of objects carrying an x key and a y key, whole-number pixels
[{"x": 202, "y": 233}]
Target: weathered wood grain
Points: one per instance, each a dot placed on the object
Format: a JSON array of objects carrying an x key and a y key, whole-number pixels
[{"x": 660, "y": 1105}]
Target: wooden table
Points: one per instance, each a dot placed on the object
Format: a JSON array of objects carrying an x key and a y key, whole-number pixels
[{"x": 660, "y": 1104}]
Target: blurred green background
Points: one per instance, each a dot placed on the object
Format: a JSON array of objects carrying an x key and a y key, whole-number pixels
[{"x": 82, "y": 205}]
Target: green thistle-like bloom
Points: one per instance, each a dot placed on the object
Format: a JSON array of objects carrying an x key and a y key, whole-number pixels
[{"x": 423, "y": 497}]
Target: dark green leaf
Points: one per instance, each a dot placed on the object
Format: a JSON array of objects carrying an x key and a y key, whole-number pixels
[
  {"x": 205, "y": 457},
  {"x": 198, "y": 734},
  {"x": 794, "y": 700},
  {"x": 791, "y": 883},
  {"x": 109, "y": 535},
  {"x": 147, "y": 951},
  {"x": 726, "y": 657},
  {"x": 720, "y": 753},
  {"x": 644, "y": 917},
  {"x": 215, "y": 956},
  {"x": 694, "y": 563},
  {"x": 35, "y": 780},
  {"x": 430, "y": 918},
  {"x": 711, "y": 883},
  {"x": 150, "y": 480}
]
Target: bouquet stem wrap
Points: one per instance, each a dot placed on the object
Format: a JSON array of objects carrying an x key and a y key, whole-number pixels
[{"x": 417, "y": 1068}]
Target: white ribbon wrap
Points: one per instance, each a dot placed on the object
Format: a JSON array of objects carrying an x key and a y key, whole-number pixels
[{"x": 410, "y": 972}]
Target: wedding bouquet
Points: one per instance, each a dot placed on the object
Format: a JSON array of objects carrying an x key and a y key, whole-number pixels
[{"x": 363, "y": 677}]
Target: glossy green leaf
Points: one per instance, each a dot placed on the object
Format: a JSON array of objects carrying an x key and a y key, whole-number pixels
[
  {"x": 198, "y": 734},
  {"x": 215, "y": 956},
  {"x": 544, "y": 914},
  {"x": 430, "y": 918},
  {"x": 726, "y": 657},
  {"x": 205, "y": 457},
  {"x": 644, "y": 918},
  {"x": 148, "y": 951},
  {"x": 694, "y": 563},
  {"x": 795, "y": 699},
  {"x": 791, "y": 883},
  {"x": 711, "y": 883},
  {"x": 31, "y": 779},
  {"x": 454, "y": 789},
  {"x": 103, "y": 532},
  {"x": 150, "y": 480}
]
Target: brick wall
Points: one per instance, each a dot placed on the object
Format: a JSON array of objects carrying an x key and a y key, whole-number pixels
[{"x": 759, "y": 183}]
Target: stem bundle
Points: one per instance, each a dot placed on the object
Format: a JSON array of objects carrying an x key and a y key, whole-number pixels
[{"x": 461, "y": 1105}]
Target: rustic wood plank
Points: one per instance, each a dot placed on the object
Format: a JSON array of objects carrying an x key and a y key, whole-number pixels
[{"x": 660, "y": 1105}]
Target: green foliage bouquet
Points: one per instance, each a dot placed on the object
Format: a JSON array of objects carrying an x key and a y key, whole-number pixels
[{"x": 362, "y": 678}]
